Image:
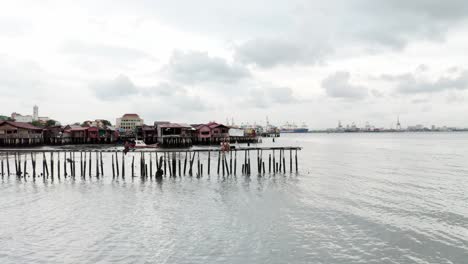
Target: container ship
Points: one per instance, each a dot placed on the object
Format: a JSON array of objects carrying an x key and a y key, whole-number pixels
[{"x": 293, "y": 128}]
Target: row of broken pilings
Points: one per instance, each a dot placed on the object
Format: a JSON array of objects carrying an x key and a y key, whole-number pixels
[{"x": 155, "y": 163}]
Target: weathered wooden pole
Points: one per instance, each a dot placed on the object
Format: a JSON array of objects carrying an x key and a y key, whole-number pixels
[
  {"x": 230, "y": 162},
  {"x": 113, "y": 167},
  {"x": 235, "y": 162},
  {"x": 65, "y": 164},
  {"x": 157, "y": 160},
  {"x": 174, "y": 164},
  {"x": 290, "y": 160},
  {"x": 274, "y": 162},
  {"x": 284, "y": 163},
  {"x": 185, "y": 163},
  {"x": 3, "y": 172},
  {"x": 81, "y": 164},
  {"x": 165, "y": 164},
  {"x": 24, "y": 170},
  {"x": 296, "y": 162},
  {"x": 117, "y": 164},
  {"x": 8, "y": 164},
  {"x": 102, "y": 164},
  {"x": 58, "y": 165},
  {"x": 123, "y": 165},
  {"x": 84, "y": 164},
  {"x": 16, "y": 165},
  {"x": 51, "y": 165},
  {"x": 33, "y": 165},
  {"x": 219, "y": 160},
  {"x": 209, "y": 161},
  {"x": 280, "y": 160},
  {"x": 90, "y": 161},
  {"x": 191, "y": 164},
  {"x": 97, "y": 164},
  {"x": 180, "y": 164},
  {"x": 223, "y": 163},
  {"x": 151, "y": 165},
  {"x": 133, "y": 166}
]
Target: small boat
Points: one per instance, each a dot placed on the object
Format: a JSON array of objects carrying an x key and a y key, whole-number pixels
[{"x": 142, "y": 144}]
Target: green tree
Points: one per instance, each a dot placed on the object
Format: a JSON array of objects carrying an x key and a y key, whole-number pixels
[
  {"x": 106, "y": 123},
  {"x": 50, "y": 122}
]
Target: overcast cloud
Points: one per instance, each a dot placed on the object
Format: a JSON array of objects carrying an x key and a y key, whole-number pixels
[{"x": 355, "y": 61}]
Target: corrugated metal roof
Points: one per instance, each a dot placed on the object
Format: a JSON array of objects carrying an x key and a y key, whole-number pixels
[{"x": 21, "y": 125}]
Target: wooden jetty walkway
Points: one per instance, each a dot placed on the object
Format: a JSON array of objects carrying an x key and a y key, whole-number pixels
[{"x": 157, "y": 163}]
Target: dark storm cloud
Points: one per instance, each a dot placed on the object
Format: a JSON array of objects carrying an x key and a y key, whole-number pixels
[
  {"x": 118, "y": 88},
  {"x": 338, "y": 85},
  {"x": 198, "y": 67},
  {"x": 408, "y": 83}
]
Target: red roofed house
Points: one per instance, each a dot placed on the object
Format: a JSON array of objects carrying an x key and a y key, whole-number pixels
[
  {"x": 17, "y": 133},
  {"x": 211, "y": 132}
]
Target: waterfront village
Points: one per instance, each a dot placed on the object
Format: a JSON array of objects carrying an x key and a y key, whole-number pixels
[{"x": 26, "y": 130}]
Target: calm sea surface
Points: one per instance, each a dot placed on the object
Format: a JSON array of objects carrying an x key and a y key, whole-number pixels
[{"x": 358, "y": 198}]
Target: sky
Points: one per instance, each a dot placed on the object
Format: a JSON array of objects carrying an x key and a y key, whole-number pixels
[{"x": 298, "y": 61}]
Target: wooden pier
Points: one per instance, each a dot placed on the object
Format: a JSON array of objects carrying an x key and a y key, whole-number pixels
[{"x": 147, "y": 164}]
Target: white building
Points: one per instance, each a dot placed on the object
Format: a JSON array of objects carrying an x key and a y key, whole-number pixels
[
  {"x": 128, "y": 122},
  {"x": 21, "y": 118},
  {"x": 35, "y": 113}
]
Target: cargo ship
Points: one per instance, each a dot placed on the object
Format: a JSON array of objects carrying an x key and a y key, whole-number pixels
[{"x": 293, "y": 128}]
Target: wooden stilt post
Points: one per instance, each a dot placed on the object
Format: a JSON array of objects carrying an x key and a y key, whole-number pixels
[
  {"x": 185, "y": 163},
  {"x": 235, "y": 162},
  {"x": 180, "y": 165},
  {"x": 284, "y": 163},
  {"x": 8, "y": 164},
  {"x": 33, "y": 164},
  {"x": 151, "y": 165},
  {"x": 133, "y": 166},
  {"x": 90, "y": 161},
  {"x": 97, "y": 164},
  {"x": 219, "y": 160},
  {"x": 297, "y": 169},
  {"x": 51, "y": 165},
  {"x": 113, "y": 167},
  {"x": 290, "y": 160},
  {"x": 123, "y": 165},
  {"x": 24, "y": 168},
  {"x": 58, "y": 165},
  {"x": 65, "y": 164},
  {"x": 102, "y": 164},
  {"x": 274, "y": 162},
  {"x": 191, "y": 164},
  {"x": 223, "y": 162},
  {"x": 117, "y": 163},
  {"x": 209, "y": 161}
]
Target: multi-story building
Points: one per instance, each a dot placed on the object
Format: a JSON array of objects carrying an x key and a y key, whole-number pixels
[
  {"x": 21, "y": 118},
  {"x": 128, "y": 123}
]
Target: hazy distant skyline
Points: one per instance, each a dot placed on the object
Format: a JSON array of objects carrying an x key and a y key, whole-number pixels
[{"x": 194, "y": 61}]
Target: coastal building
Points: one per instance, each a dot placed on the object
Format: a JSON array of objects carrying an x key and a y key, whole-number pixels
[
  {"x": 19, "y": 133},
  {"x": 211, "y": 133},
  {"x": 17, "y": 117},
  {"x": 30, "y": 118},
  {"x": 128, "y": 123},
  {"x": 174, "y": 134}
]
